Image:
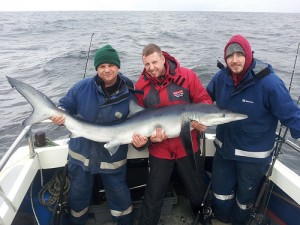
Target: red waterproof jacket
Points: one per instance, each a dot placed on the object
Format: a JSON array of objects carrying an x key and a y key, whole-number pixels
[{"x": 179, "y": 86}]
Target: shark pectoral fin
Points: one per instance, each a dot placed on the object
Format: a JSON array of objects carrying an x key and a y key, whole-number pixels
[
  {"x": 186, "y": 139},
  {"x": 112, "y": 147}
]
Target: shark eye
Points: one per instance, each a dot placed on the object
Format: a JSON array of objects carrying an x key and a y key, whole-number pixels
[{"x": 224, "y": 115}]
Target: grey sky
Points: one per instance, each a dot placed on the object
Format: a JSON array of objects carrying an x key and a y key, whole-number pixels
[{"x": 153, "y": 5}]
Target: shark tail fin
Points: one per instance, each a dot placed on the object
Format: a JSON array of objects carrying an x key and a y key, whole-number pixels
[
  {"x": 43, "y": 107},
  {"x": 35, "y": 117}
]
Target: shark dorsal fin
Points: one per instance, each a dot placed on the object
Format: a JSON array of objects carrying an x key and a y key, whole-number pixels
[{"x": 134, "y": 107}]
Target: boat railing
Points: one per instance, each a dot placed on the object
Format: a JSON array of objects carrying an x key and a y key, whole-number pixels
[
  {"x": 26, "y": 132},
  {"x": 292, "y": 145}
]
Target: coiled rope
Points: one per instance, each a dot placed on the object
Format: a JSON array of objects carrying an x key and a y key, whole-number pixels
[{"x": 50, "y": 193}]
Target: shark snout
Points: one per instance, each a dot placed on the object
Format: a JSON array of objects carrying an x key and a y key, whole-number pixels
[{"x": 238, "y": 116}]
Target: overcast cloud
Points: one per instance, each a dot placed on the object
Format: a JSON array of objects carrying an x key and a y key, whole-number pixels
[{"x": 153, "y": 5}]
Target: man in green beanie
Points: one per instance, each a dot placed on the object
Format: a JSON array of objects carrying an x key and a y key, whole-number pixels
[{"x": 102, "y": 99}]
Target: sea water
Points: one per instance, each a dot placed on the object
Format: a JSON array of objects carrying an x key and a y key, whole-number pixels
[{"x": 53, "y": 50}]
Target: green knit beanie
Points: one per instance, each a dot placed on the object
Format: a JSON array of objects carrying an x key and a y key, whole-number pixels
[{"x": 106, "y": 54}]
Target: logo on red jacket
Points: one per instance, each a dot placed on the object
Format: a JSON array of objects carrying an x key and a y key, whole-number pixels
[{"x": 178, "y": 93}]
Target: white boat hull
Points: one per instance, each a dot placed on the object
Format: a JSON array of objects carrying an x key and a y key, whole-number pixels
[{"x": 20, "y": 170}]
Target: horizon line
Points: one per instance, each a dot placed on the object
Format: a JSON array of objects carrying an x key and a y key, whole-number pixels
[{"x": 133, "y": 10}]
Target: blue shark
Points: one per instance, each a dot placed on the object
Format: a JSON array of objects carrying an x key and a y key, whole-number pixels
[{"x": 174, "y": 120}]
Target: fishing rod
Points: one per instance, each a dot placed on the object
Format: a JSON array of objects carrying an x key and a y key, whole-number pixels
[
  {"x": 256, "y": 217},
  {"x": 280, "y": 141},
  {"x": 263, "y": 197},
  {"x": 293, "y": 72},
  {"x": 61, "y": 207},
  {"x": 290, "y": 86},
  {"x": 205, "y": 210},
  {"x": 87, "y": 59}
]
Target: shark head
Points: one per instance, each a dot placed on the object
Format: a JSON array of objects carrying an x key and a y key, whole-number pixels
[
  {"x": 210, "y": 115},
  {"x": 221, "y": 117}
]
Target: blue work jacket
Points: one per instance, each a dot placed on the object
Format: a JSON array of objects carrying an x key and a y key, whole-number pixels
[
  {"x": 264, "y": 98},
  {"x": 87, "y": 101}
]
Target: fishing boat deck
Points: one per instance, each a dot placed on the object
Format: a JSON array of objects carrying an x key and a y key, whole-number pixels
[{"x": 180, "y": 215}]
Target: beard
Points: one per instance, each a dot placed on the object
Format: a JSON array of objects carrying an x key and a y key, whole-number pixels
[{"x": 236, "y": 68}]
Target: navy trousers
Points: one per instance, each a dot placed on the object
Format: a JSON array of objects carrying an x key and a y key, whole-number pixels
[
  {"x": 116, "y": 192},
  {"x": 158, "y": 182},
  {"x": 235, "y": 185}
]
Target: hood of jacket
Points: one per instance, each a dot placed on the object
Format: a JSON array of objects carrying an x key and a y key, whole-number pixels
[{"x": 243, "y": 42}]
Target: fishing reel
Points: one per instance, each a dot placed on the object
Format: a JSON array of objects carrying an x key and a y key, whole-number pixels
[
  {"x": 62, "y": 208},
  {"x": 207, "y": 215},
  {"x": 206, "y": 211},
  {"x": 204, "y": 216}
]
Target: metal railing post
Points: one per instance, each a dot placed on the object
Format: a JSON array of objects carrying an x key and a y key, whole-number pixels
[
  {"x": 30, "y": 144},
  {"x": 13, "y": 147}
]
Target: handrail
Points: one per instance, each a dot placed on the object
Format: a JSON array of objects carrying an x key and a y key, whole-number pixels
[
  {"x": 8, "y": 201},
  {"x": 25, "y": 132},
  {"x": 292, "y": 145}
]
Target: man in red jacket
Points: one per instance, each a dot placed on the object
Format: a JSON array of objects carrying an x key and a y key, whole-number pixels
[{"x": 165, "y": 83}]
